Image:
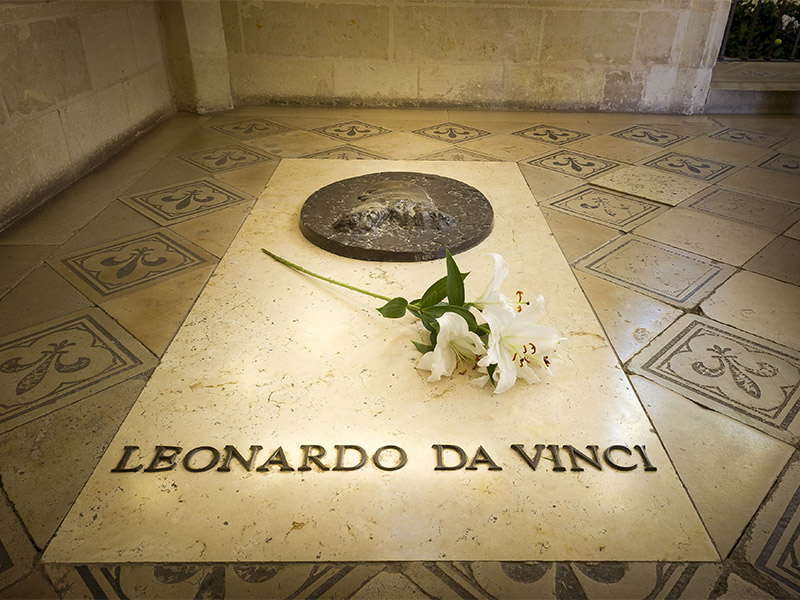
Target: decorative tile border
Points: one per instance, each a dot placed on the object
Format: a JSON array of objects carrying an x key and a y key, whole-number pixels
[
  {"x": 351, "y": 130},
  {"x": 783, "y": 163},
  {"x": 746, "y": 377},
  {"x": 606, "y": 207},
  {"x": 573, "y": 163},
  {"x": 758, "y": 211},
  {"x": 451, "y": 132},
  {"x": 691, "y": 166},
  {"x": 55, "y": 364},
  {"x": 175, "y": 203},
  {"x": 344, "y": 153},
  {"x": 250, "y": 128},
  {"x": 778, "y": 558},
  {"x": 126, "y": 264},
  {"x": 225, "y": 158},
  {"x": 751, "y": 138},
  {"x": 457, "y": 153},
  {"x": 551, "y": 134},
  {"x": 650, "y": 135},
  {"x": 672, "y": 275}
]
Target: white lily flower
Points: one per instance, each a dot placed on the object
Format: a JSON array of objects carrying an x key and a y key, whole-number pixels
[
  {"x": 491, "y": 295},
  {"x": 455, "y": 345},
  {"x": 516, "y": 342}
]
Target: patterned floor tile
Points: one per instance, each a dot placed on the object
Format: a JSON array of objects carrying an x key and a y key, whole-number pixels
[
  {"x": 451, "y": 132},
  {"x": 225, "y": 158},
  {"x": 402, "y": 145},
  {"x": 764, "y": 182},
  {"x": 344, "y": 153},
  {"x": 57, "y": 363},
  {"x": 250, "y": 128},
  {"x": 750, "y": 379},
  {"x": 751, "y": 138},
  {"x": 783, "y": 163},
  {"x": 606, "y": 207},
  {"x": 650, "y": 135},
  {"x": 663, "y": 272},
  {"x": 653, "y": 184},
  {"x": 690, "y": 166},
  {"x": 458, "y": 154},
  {"x": 186, "y": 200},
  {"x": 573, "y": 163},
  {"x": 780, "y": 259},
  {"x": 130, "y": 263},
  {"x": 551, "y": 134},
  {"x": 758, "y": 211},
  {"x": 351, "y": 130}
]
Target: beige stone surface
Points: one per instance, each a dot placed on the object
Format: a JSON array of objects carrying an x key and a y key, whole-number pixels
[
  {"x": 759, "y": 211},
  {"x": 765, "y": 182},
  {"x": 720, "y": 150},
  {"x": 759, "y": 305},
  {"x": 249, "y": 179},
  {"x": 294, "y": 144},
  {"x": 604, "y": 37},
  {"x": 358, "y": 391},
  {"x": 507, "y": 147},
  {"x": 701, "y": 443},
  {"x": 376, "y": 81},
  {"x": 148, "y": 95},
  {"x": 780, "y": 259},
  {"x": 18, "y": 261},
  {"x": 721, "y": 239},
  {"x": 794, "y": 231},
  {"x": 615, "y": 148},
  {"x": 108, "y": 42},
  {"x": 650, "y": 183},
  {"x": 21, "y": 553},
  {"x": 255, "y": 77},
  {"x": 576, "y": 237},
  {"x": 214, "y": 232},
  {"x": 146, "y": 33},
  {"x": 545, "y": 184},
  {"x": 34, "y": 587},
  {"x": 478, "y": 83}
]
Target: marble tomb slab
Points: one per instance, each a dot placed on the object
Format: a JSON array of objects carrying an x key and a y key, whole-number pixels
[{"x": 270, "y": 357}]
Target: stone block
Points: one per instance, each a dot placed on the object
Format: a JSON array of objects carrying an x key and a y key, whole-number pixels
[
  {"x": 657, "y": 37},
  {"x": 466, "y": 33},
  {"x": 622, "y": 90},
  {"x": 41, "y": 63},
  {"x": 591, "y": 36},
  {"x": 552, "y": 86},
  {"x": 461, "y": 84},
  {"x": 95, "y": 123},
  {"x": 316, "y": 30},
  {"x": 232, "y": 26},
  {"x": 108, "y": 42},
  {"x": 146, "y": 35},
  {"x": 255, "y": 79},
  {"x": 148, "y": 96},
  {"x": 376, "y": 81}
]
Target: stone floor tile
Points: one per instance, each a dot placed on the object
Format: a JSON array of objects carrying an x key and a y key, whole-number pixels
[
  {"x": 691, "y": 126},
  {"x": 714, "y": 455},
  {"x": 387, "y": 584},
  {"x": 572, "y": 163},
  {"x": 748, "y": 378},
  {"x": 401, "y": 145},
  {"x": 343, "y": 153},
  {"x": 780, "y": 259},
  {"x": 669, "y": 274},
  {"x": 451, "y": 132},
  {"x": 545, "y": 183},
  {"x": 488, "y": 579},
  {"x": 791, "y": 147},
  {"x": 352, "y": 130},
  {"x": 770, "y": 544},
  {"x": 722, "y": 150},
  {"x": 759, "y": 211},
  {"x": 749, "y": 138},
  {"x": 226, "y": 158},
  {"x": 17, "y": 553},
  {"x": 577, "y": 237},
  {"x": 602, "y": 581},
  {"x": 250, "y": 180},
  {"x": 550, "y": 134},
  {"x": 35, "y": 586},
  {"x": 45, "y": 463},
  {"x": 780, "y": 162},
  {"x": 764, "y": 182},
  {"x": 794, "y": 231},
  {"x": 116, "y": 221},
  {"x": 175, "y": 203},
  {"x": 617, "y": 149},
  {"x": 168, "y": 171},
  {"x": 203, "y": 138},
  {"x": 652, "y": 136},
  {"x": 697, "y": 167},
  {"x": 458, "y": 153},
  {"x": 123, "y": 265},
  {"x": 759, "y": 305},
  {"x": 609, "y": 208},
  {"x": 508, "y": 147},
  {"x": 26, "y": 305},
  {"x": 18, "y": 262},
  {"x": 721, "y": 239},
  {"x": 629, "y": 319},
  {"x": 247, "y": 128},
  {"x": 215, "y": 231},
  {"x": 296, "y": 143},
  {"x": 155, "y": 313},
  {"x": 777, "y": 125},
  {"x": 58, "y": 363},
  {"x": 653, "y": 184}
]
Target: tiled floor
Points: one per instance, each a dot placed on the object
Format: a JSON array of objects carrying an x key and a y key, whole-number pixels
[{"x": 681, "y": 231}]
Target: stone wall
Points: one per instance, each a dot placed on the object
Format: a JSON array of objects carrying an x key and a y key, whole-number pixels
[
  {"x": 648, "y": 55},
  {"x": 78, "y": 80}
]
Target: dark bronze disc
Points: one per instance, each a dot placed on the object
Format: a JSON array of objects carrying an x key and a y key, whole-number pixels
[{"x": 396, "y": 216}]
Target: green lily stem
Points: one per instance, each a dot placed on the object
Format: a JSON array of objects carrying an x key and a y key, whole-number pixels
[{"x": 323, "y": 278}]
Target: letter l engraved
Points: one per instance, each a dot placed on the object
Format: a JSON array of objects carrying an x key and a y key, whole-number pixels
[{"x": 126, "y": 456}]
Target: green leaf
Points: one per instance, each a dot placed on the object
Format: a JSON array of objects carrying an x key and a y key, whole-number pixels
[
  {"x": 423, "y": 348},
  {"x": 440, "y": 309},
  {"x": 394, "y": 309},
  {"x": 455, "y": 282},
  {"x": 434, "y": 294},
  {"x": 490, "y": 370}
]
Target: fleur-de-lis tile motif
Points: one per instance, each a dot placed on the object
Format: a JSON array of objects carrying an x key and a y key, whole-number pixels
[
  {"x": 344, "y": 153},
  {"x": 123, "y": 265},
  {"x": 250, "y": 128},
  {"x": 650, "y": 135},
  {"x": 573, "y": 163},
  {"x": 352, "y": 130},
  {"x": 61, "y": 360},
  {"x": 225, "y": 158},
  {"x": 692, "y": 166},
  {"x": 551, "y": 134},
  {"x": 604, "y": 206},
  {"x": 746, "y": 377},
  {"x": 784, "y": 163},
  {"x": 751, "y": 138},
  {"x": 451, "y": 132},
  {"x": 176, "y": 203}
]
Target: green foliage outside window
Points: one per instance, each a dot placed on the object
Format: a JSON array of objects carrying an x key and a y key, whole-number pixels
[{"x": 766, "y": 21}]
